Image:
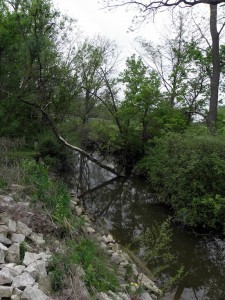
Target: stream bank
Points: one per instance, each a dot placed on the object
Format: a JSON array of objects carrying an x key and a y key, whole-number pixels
[
  {"x": 128, "y": 208},
  {"x": 26, "y": 255}
]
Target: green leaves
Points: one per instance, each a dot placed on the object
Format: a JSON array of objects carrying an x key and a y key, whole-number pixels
[{"x": 188, "y": 171}]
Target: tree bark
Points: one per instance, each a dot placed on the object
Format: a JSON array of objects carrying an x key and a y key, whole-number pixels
[
  {"x": 65, "y": 143},
  {"x": 215, "y": 77}
]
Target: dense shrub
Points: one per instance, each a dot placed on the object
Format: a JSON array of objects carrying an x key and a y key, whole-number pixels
[{"x": 188, "y": 172}]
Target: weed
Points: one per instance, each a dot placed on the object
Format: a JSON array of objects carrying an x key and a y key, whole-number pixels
[
  {"x": 23, "y": 249},
  {"x": 86, "y": 253},
  {"x": 157, "y": 242},
  {"x": 58, "y": 268}
]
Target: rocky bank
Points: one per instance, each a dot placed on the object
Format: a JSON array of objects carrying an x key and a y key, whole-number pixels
[{"x": 25, "y": 255}]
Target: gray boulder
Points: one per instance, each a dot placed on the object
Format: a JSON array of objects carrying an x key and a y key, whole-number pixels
[{"x": 31, "y": 293}]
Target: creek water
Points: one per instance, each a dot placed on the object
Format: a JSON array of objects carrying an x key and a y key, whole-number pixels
[{"x": 128, "y": 208}]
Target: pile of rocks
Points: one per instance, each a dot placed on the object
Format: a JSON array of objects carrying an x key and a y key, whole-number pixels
[
  {"x": 121, "y": 259},
  {"x": 26, "y": 278}
]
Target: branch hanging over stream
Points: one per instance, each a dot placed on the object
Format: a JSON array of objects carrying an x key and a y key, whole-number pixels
[{"x": 65, "y": 143}]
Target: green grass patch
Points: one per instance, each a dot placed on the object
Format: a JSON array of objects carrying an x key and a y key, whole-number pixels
[{"x": 99, "y": 274}]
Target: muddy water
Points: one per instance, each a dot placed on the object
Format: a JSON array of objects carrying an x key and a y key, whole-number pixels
[{"x": 129, "y": 208}]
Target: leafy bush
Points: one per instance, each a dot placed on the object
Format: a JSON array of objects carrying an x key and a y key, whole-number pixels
[
  {"x": 157, "y": 242},
  {"x": 52, "y": 152},
  {"x": 188, "y": 172}
]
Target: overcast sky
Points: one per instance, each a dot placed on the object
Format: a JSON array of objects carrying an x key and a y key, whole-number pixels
[{"x": 112, "y": 24}]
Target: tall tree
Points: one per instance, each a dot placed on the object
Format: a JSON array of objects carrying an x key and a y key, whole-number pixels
[
  {"x": 93, "y": 62},
  {"x": 32, "y": 69},
  {"x": 182, "y": 66},
  {"x": 149, "y": 8}
]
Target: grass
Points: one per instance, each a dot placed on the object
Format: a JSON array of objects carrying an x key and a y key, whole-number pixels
[
  {"x": 98, "y": 273},
  {"x": 54, "y": 199}
]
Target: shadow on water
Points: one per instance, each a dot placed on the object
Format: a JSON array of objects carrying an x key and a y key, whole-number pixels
[{"x": 128, "y": 207}]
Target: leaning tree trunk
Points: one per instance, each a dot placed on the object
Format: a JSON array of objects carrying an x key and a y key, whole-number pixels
[
  {"x": 215, "y": 78},
  {"x": 65, "y": 143}
]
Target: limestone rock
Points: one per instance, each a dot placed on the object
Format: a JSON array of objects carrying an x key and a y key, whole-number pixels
[
  {"x": 31, "y": 293},
  {"x": 37, "y": 269},
  {"x": 15, "y": 270},
  {"x": 15, "y": 297},
  {"x": 2, "y": 256},
  {"x": 124, "y": 296},
  {"x": 145, "y": 296},
  {"x": 116, "y": 258},
  {"x": 72, "y": 204},
  {"x": 3, "y": 229},
  {"x": 143, "y": 279},
  {"x": 5, "y": 276},
  {"x": 103, "y": 245},
  {"x": 134, "y": 270},
  {"x": 45, "y": 284},
  {"x": 30, "y": 257},
  {"x": 22, "y": 281},
  {"x": 11, "y": 226},
  {"x": 114, "y": 296},
  {"x": 19, "y": 269},
  {"x": 6, "y": 291},
  {"x": 90, "y": 230},
  {"x": 78, "y": 210},
  {"x": 86, "y": 219},
  {"x": 103, "y": 296},
  {"x": 5, "y": 240},
  {"x": 37, "y": 238},
  {"x": 113, "y": 246},
  {"x": 13, "y": 253},
  {"x": 17, "y": 293},
  {"x": 18, "y": 237},
  {"x": 23, "y": 228},
  {"x": 108, "y": 239},
  {"x": 4, "y": 248},
  {"x": 45, "y": 257}
]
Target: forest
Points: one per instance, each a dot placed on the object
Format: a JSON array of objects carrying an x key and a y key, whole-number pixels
[{"x": 161, "y": 117}]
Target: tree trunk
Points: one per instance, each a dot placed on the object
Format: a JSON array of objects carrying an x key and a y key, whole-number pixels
[
  {"x": 65, "y": 143},
  {"x": 215, "y": 78}
]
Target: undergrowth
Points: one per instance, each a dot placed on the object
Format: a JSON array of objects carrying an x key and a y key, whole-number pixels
[
  {"x": 79, "y": 250},
  {"x": 98, "y": 273}
]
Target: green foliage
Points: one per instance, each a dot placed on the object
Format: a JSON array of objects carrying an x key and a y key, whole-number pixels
[
  {"x": 52, "y": 152},
  {"x": 58, "y": 266},
  {"x": 188, "y": 172},
  {"x": 3, "y": 183},
  {"x": 209, "y": 211},
  {"x": 37, "y": 175},
  {"x": 23, "y": 249},
  {"x": 98, "y": 273},
  {"x": 157, "y": 242},
  {"x": 86, "y": 253},
  {"x": 54, "y": 195}
]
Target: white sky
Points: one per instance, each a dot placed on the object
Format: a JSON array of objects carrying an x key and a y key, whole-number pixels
[{"x": 111, "y": 24}]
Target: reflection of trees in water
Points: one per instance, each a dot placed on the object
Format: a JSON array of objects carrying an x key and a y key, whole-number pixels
[
  {"x": 128, "y": 207},
  {"x": 205, "y": 277},
  {"x": 87, "y": 175}
]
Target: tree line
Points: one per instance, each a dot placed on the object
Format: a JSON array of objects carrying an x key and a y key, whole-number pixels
[{"x": 52, "y": 76}]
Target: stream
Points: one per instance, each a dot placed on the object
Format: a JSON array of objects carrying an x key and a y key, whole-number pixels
[{"x": 128, "y": 208}]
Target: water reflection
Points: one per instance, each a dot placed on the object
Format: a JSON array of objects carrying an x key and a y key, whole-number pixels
[{"x": 128, "y": 208}]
